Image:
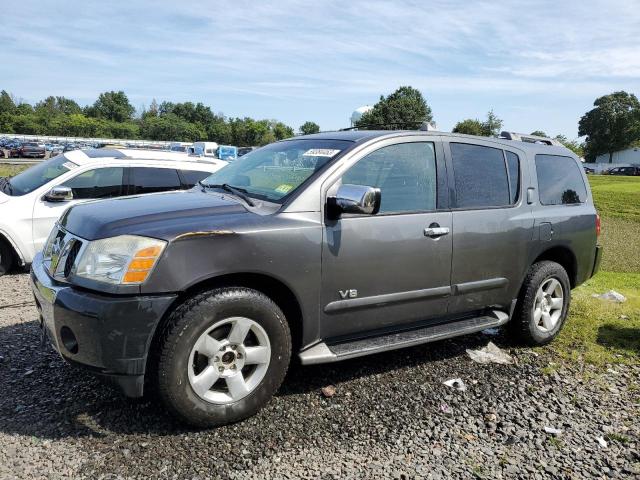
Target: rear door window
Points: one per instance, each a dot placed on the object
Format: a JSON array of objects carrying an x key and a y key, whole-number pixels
[
  {"x": 150, "y": 180},
  {"x": 480, "y": 175},
  {"x": 559, "y": 180}
]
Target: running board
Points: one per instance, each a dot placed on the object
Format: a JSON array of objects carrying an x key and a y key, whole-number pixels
[{"x": 323, "y": 353}]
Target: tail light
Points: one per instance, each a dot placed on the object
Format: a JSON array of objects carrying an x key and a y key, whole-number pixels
[{"x": 598, "y": 227}]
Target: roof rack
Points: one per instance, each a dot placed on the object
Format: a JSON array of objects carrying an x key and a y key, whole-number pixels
[
  {"x": 523, "y": 137},
  {"x": 422, "y": 125}
]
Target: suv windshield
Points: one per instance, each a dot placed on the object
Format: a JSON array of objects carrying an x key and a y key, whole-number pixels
[
  {"x": 277, "y": 170},
  {"x": 37, "y": 176}
]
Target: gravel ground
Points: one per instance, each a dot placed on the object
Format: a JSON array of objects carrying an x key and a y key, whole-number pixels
[{"x": 391, "y": 417}]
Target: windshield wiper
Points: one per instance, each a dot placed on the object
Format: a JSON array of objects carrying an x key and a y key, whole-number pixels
[{"x": 237, "y": 191}]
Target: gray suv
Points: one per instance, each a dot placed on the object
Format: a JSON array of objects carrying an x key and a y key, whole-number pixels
[{"x": 326, "y": 247}]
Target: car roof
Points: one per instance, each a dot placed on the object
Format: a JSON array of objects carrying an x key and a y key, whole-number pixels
[
  {"x": 361, "y": 136},
  {"x": 98, "y": 155}
]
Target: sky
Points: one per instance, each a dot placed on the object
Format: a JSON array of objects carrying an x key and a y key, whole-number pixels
[{"x": 539, "y": 65}]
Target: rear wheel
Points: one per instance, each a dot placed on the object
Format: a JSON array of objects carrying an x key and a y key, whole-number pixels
[
  {"x": 7, "y": 258},
  {"x": 223, "y": 355},
  {"x": 543, "y": 304}
]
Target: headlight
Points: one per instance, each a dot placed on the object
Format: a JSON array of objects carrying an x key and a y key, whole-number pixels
[{"x": 124, "y": 260}]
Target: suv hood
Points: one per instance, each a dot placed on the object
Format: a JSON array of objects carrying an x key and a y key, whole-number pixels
[{"x": 161, "y": 215}]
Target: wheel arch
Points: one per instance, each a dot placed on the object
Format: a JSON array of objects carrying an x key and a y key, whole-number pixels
[
  {"x": 7, "y": 240},
  {"x": 564, "y": 257},
  {"x": 281, "y": 294}
]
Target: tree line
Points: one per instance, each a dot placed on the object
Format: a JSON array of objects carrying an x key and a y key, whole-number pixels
[
  {"x": 113, "y": 116},
  {"x": 613, "y": 124}
]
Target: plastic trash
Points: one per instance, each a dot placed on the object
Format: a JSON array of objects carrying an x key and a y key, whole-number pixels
[
  {"x": 492, "y": 332},
  {"x": 602, "y": 442},
  {"x": 552, "y": 431},
  {"x": 490, "y": 354},
  {"x": 456, "y": 383},
  {"x": 611, "y": 296}
]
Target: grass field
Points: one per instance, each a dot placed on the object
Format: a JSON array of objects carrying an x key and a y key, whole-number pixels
[{"x": 597, "y": 332}]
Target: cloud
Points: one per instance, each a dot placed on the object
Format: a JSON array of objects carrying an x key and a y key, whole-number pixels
[{"x": 242, "y": 56}]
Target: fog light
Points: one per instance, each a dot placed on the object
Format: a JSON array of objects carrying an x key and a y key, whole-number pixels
[{"x": 69, "y": 340}]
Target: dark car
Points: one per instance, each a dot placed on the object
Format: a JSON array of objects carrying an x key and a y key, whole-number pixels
[
  {"x": 328, "y": 247},
  {"x": 627, "y": 171},
  {"x": 589, "y": 170},
  {"x": 33, "y": 150}
]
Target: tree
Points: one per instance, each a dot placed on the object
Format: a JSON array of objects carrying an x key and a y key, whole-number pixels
[
  {"x": 489, "y": 128},
  {"x": 405, "y": 108},
  {"x": 6, "y": 103},
  {"x": 469, "y": 126},
  {"x": 612, "y": 125},
  {"x": 307, "y": 128},
  {"x": 51, "y": 106},
  {"x": 572, "y": 145},
  {"x": 492, "y": 125},
  {"x": 114, "y": 106},
  {"x": 539, "y": 133}
]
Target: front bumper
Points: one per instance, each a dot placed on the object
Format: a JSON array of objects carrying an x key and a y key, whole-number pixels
[{"x": 107, "y": 334}]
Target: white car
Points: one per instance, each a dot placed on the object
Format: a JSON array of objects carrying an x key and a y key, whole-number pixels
[{"x": 32, "y": 201}]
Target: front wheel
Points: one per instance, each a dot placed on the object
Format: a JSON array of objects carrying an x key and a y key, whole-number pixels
[
  {"x": 6, "y": 258},
  {"x": 543, "y": 304},
  {"x": 223, "y": 354}
]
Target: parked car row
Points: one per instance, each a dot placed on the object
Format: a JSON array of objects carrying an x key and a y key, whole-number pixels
[
  {"x": 16, "y": 148},
  {"x": 632, "y": 171}
]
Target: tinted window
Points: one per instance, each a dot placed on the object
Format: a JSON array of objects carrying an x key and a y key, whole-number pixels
[
  {"x": 405, "y": 174},
  {"x": 191, "y": 177},
  {"x": 513, "y": 167},
  {"x": 98, "y": 183},
  {"x": 559, "y": 180},
  {"x": 480, "y": 176},
  {"x": 149, "y": 180}
]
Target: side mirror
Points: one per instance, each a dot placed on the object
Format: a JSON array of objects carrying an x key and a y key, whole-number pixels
[
  {"x": 59, "y": 194},
  {"x": 359, "y": 199}
]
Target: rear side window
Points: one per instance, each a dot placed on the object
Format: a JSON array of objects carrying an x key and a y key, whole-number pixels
[
  {"x": 480, "y": 176},
  {"x": 149, "y": 180},
  {"x": 97, "y": 183},
  {"x": 405, "y": 174},
  {"x": 513, "y": 168},
  {"x": 559, "y": 180},
  {"x": 191, "y": 177}
]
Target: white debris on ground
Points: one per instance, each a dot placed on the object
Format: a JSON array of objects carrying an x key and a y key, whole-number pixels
[
  {"x": 552, "y": 431},
  {"x": 602, "y": 442},
  {"x": 611, "y": 296},
  {"x": 456, "y": 383},
  {"x": 490, "y": 354},
  {"x": 492, "y": 332}
]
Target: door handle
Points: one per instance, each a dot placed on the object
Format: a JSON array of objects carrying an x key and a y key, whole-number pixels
[{"x": 435, "y": 232}]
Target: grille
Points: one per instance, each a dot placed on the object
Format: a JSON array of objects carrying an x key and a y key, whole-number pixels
[
  {"x": 71, "y": 257},
  {"x": 61, "y": 252}
]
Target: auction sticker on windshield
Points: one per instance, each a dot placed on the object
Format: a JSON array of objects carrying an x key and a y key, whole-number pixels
[
  {"x": 321, "y": 152},
  {"x": 284, "y": 188}
]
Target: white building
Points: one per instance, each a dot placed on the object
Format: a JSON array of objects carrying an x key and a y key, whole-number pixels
[
  {"x": 629, "y": 156},
  {"x": 358, "y": 112}
]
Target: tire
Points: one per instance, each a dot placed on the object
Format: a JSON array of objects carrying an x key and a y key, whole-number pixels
[
  {"x": 529, "y": 324},
  {"x": 188, "y": 362},
  {"x": 7, "y": 258}
]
